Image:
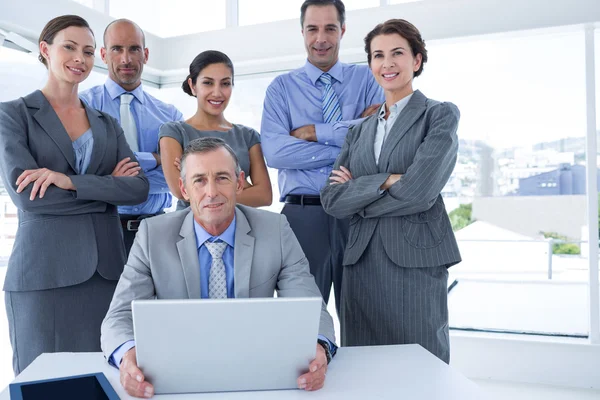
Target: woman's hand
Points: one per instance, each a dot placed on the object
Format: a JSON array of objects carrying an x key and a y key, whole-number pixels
[
  {"x": 393, "y": 178},
  {"x": 41, "y": 179},
  {"x": 177, "y": 163},
  {"x": 341, "y": 175},
  {"x": 125, "y": 167}
]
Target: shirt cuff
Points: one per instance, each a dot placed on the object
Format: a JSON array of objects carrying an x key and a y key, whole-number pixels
[
  {"x": 332, "y": 347},
  {"x": 324, "y": 134},
  {"x": 146, "y": 160},
  {"x": 117, "y": 356}
]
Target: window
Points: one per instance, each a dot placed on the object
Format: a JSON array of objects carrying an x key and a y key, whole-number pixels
[
  {"x": 519, "y": 215},
  {"x": 87, "y": 3},
  {"x": 173, "y": 17},
  {"x": 253, "y": 12}
]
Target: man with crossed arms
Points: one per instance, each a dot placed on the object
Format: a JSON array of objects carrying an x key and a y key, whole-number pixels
[
  {"x": 140, "y": 115},
  {"x": 307, "y": 113}
]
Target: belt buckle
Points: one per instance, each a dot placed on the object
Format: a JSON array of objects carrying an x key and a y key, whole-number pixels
[{"x": 133, "y": 225}]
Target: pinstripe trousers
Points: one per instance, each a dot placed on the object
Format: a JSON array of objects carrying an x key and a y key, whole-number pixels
[{"x": 383, "y": 303}]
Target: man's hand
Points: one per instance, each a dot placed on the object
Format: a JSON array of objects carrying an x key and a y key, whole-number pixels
[
  {"x": 126, "y": 167},
  {"x": 42, "y": 178},
  {"x": 393, "y": 178},
  {"x": 342, "y": 175},
  {"x": 372, "y": 109},
  {"x": 132, "y": 378},
  {"x": 306, "y": 132},
  {"x": 315, "y": 378}
]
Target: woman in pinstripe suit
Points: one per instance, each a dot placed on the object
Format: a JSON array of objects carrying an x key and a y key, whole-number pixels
[{"x": 387, "y": 180}]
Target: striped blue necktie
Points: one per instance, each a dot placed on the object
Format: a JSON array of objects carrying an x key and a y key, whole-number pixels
[{"x": 331, "y": 105}]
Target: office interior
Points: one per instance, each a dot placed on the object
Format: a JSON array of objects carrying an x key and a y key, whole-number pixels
[{"x": 525, "y": 302}]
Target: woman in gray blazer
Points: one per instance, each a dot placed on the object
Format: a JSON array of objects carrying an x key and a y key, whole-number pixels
[
  {"x": 387, "y": 180},
  {"x": 66, "y": 167}
]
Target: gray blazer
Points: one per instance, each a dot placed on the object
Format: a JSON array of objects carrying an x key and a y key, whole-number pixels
[
  {"x": 163, "y": 264},
  {"x": 63, "y": 238},
  {"x": 422, "y": 145}
]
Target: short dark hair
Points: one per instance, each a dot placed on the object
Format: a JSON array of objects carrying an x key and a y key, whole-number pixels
[
  {"x": 405, "y": 29},
  {"x": 117, "y": 21},
  {"x": 205, "y": 145},
  {"x": 203, "y": 60},
  {"x": 56, "y": 25},
  {"x": 339, "y": 6}
]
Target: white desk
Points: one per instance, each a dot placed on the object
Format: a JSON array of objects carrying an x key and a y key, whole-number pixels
[{"x": 405, "y": 372}]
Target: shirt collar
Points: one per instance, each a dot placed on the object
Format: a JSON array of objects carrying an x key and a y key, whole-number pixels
[
  {"x": 114, "y": 90},
  {"x": 396, "y": 108},
  {"x": 314, "y": 73},
  {"x": 202, "y": 236}
]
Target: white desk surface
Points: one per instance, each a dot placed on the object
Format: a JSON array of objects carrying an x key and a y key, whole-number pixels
[{"x": 405, "y": 372}]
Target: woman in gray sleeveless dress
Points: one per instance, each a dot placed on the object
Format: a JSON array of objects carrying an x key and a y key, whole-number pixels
[{"x": 211, "y": 82}]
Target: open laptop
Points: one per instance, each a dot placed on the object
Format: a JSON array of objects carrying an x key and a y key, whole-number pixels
[{"x": 191, "y": 346}]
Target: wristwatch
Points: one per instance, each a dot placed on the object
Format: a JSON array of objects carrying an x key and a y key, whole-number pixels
[{"x": 326, "y": 348}]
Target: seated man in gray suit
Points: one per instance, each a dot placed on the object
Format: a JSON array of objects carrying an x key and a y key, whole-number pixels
[{"x": 171, "y": 259}]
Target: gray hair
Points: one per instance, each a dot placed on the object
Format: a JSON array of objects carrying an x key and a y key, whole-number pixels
[{"x": 205, "y": 145}]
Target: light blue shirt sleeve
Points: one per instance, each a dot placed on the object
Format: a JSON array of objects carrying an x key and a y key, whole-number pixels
[
  {"x": 334, "y": 134},
  {"x": 283, "y": 151},
  {"x": 332, "y": 347},
  {"x": 117, "y": 356},
  {"x": 146, "y": 160}
]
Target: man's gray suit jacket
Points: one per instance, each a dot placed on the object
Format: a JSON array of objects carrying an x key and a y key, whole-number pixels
[
  {"x": 64, "y": 237},
  {"x": 163, "y": 264},
  {"x": 410, "y": 216}
]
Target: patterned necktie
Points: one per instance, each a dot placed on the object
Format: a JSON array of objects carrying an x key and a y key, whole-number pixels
[
  {"x": 217, "y": 280},
  {"x": 127, "y": 121},
  {"x": 331, "y": 105}
]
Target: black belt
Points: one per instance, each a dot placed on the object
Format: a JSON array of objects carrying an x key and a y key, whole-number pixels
[
  {"x": 132, "y": 222},
  {"x": 303, "y": 199}
]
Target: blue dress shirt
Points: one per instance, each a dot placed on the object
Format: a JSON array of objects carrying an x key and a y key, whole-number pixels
[
  {"x": 149, "y": 114},
  {"x": 206, "y": 259},
  {"x": 294, "y": 100},
  {"x": 83, "y": 146}
]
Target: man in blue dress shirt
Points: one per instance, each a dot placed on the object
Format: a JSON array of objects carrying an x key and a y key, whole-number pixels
[
  {"x": 307, "y": 113},
  {"x": 139, "y": 113},
  {"x": 213, "y": 249}
]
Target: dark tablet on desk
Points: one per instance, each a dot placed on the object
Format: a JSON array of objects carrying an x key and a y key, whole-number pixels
[{"x": 89, "y": 387}]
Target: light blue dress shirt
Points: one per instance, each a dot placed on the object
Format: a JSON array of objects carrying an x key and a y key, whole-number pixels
[
  {"x": 83, "y": 146},
  {"x": 149, "y": 114},
  {"x": 294, "y": 100},
  {"x": 206, "y": 259}
]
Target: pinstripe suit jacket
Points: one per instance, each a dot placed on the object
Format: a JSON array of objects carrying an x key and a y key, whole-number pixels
[
  {"x": 410, "y": 216},
  {"x": 64, "y": 237}
]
